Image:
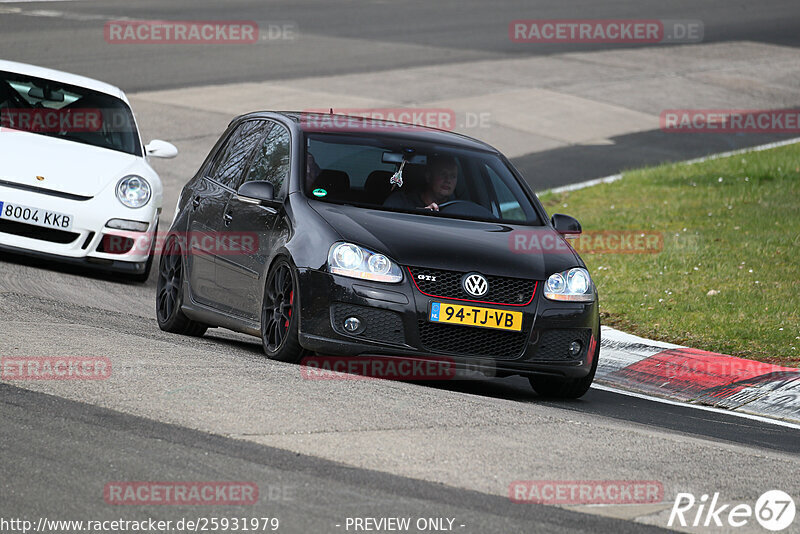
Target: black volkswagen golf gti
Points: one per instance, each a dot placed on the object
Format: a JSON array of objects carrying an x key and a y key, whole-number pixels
[{"x": 334, "y": 235}]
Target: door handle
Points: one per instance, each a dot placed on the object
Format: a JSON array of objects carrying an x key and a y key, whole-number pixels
[
  {"x": 196, "y": 202},
  {"x": 228, "y": 218}
]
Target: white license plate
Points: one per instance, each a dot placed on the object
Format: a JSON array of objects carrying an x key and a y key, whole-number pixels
[{"x": 35, "y": 216}]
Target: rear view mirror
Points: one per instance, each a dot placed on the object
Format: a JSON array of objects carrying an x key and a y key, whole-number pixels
[
  {"x": 257, "y": 193},
  {"x": 397, "y": 157},
  {"x": 46, "y": 93},
  {"x": 565, "y": 225}
]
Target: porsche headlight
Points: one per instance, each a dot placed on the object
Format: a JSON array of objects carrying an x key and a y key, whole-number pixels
[
  {"x": 574, "y": 285},
  {"x": 133, "y": 191},
  {"x": 351, "y": 260}
]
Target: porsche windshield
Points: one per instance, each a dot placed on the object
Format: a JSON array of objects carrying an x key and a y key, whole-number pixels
[
  {"x": 50, "y": 108},
  {"x": 413, "y": 176}
]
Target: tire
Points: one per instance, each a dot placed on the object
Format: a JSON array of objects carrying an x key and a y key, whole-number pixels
[
  {"x": 169, "y": 294},
  {"x": 279, "y": 317},
  {"x": 566, "y": 389}
]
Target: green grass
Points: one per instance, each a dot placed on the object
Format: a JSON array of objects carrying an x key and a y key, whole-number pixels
[{"x": 730, "y": 225}]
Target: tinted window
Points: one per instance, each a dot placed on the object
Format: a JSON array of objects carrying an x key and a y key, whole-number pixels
[
  {"x": 437, "y": 180},
  {"x": 358, "y": 161},
  {"x": 68, "y": 112},
  {"x": 507, "y": 204},
  {"x": 234, "y": 155},
  {"x": 271, "y": 162}
]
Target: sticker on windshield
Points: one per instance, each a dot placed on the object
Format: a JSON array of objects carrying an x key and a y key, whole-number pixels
[{"x": 320, "y": 193}]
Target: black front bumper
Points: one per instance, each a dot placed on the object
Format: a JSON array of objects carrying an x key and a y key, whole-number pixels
[
  {"x": 395, "y": 319},
  {"x": 97, "y": 265}
]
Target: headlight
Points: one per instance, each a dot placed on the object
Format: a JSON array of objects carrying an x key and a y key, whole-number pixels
[
  {"x": 133, "y": 191},
  {"x": 574, "y": 285},
  {"x": 357, "y": 262}
]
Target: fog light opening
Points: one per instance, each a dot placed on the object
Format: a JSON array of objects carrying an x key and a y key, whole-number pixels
[
  {"x": 352, "y": 325},
  {"x": 575, "y": 348}
]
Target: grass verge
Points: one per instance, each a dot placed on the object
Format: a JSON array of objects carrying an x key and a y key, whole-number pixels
[{"x": 727, "y": 278}]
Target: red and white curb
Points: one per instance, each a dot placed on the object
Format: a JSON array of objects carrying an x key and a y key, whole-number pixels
[{"x": 698, "y": 377}]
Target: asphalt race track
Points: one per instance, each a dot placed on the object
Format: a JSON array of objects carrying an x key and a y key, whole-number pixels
[
  {"x": 337, "y": 39},
  {"x": 334, "y": 39},
  {"x": 320, "y": 452}
]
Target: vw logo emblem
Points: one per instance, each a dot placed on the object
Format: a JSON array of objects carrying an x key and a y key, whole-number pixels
[{"x": 475, "y": 284}]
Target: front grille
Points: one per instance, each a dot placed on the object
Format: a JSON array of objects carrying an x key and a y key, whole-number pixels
[
  {"x": 380, "y": 325},
  {"x": 467, "y": 341},
  {"x": 554, "y": 344},
  {"x": 37, "y": 232},
  {"x": 447, "y": 285}
]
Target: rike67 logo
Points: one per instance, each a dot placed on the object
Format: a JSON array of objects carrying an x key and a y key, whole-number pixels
[{"x": 774, "y": 510}]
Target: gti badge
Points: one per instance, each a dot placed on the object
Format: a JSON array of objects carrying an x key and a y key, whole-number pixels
[{"x": 475, "y": 284}]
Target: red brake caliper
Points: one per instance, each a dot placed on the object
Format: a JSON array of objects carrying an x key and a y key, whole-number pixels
[{"x": 291, "y": 302}]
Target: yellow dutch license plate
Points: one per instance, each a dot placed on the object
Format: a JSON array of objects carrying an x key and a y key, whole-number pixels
[{"x": 441, "y": 312}]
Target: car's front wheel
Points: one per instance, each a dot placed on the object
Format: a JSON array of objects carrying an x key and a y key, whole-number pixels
[
  {"x": 566, "y": 388},
  {"x": 279, "y": 318},
  {"x": 169, "y": 294}
]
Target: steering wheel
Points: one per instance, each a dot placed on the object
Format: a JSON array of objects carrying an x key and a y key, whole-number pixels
[
  {"x": 465, "y": 207},
  {"x": 451, "y": 202}
]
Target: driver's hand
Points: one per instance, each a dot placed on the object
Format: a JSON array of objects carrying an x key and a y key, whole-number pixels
[{"x": 433, "y": 206}]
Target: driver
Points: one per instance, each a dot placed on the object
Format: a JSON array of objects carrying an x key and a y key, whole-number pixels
[{"x": 441, "y": 178}]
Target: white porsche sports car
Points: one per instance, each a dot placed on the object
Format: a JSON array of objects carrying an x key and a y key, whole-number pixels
[{"x": 75, "y": 183}]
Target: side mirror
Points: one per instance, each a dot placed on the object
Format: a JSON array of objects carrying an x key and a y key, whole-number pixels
[
  {"x": 257, "y": 193},
  {"x": 565, "y": 225},
  {"x": 161, "y": 149}
]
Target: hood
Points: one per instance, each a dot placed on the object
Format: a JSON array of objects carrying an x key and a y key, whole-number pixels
[
  {"x": 67, "y": 166},
  {"x": 448, "y": 244}
]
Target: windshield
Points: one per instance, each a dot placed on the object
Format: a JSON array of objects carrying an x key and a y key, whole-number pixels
[
  {"x": 412, "y": 176},
  {"x": 68, "y": 112}
]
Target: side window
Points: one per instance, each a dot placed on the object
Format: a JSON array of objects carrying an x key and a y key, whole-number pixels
[
  {"x": 232, "y": 158},
  {"x": 271, "y": 162},
  {"x": 510, "y": 209}
]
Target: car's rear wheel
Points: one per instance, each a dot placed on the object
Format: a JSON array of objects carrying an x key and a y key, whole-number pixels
[
  {"x": 566, "y": 388},
  {"x": 169, "y": 294},
  {"x": 279, "y": 318}
]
